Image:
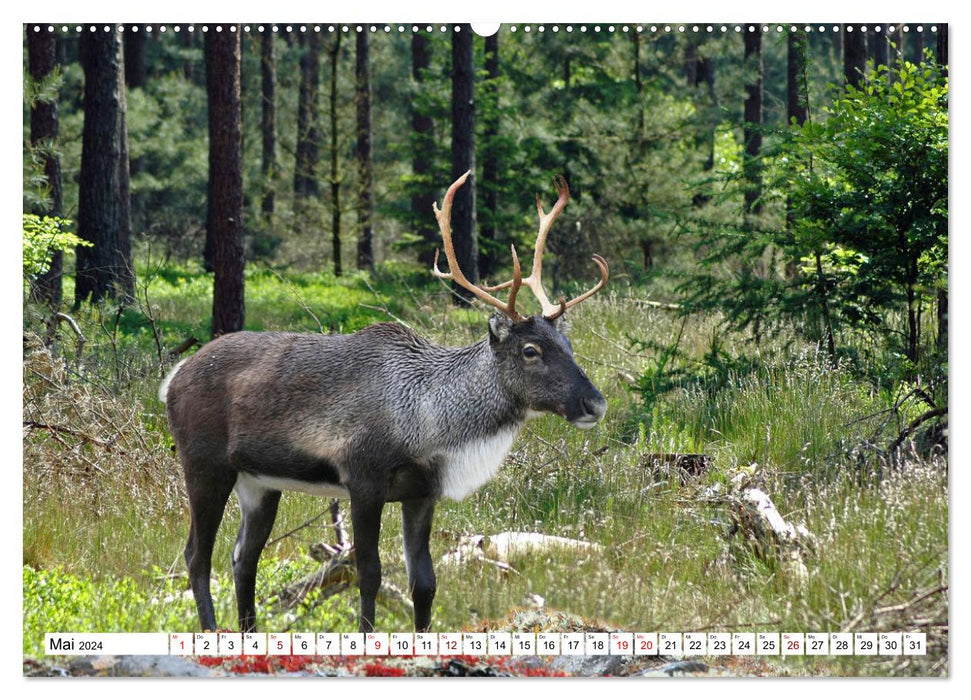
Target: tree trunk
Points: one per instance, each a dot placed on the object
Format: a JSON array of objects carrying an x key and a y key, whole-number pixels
[
  {"x": 305, "y": 183},
  {"x": 101, "y": 192},
  {"x": 753, "y": 119},
  {"x": 706, "y": 75},
  {"x": 691, "y": 62},
  {"x": 126, "y": 272},
  {"x": 942, "y": 56},
  {"x": 268, "y": 127},
  {"x": 365, "y": 241},
  {"x": 189, "y": 68},
  {"x": 463, "y": 155},
  {"x": 225, "y": 177},
  {"x": 942, "y": 293},
  {"x": 854, "y": 54},
  {"x": 639, "y": 91},
  {"x": 421, "y": 165},
  {"x": 42, "y": 60},
  {"x": 879, "y": 46},
  {"x": 797, "y": 102},
  {"x": 335, "y": 174},
  {"x": 490, "y": 163},
  {"x": 918, "y": 45},
  {"x": 135, "y": 73}
]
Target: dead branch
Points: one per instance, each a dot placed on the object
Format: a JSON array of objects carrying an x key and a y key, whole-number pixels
[
  {"x": 61, "y": 430},
  {"x": 914, "y": 424},
  {"x": 337, "y": 575},
  {"x": 59, "y": 318},
  {"x": 654, "y": 304},
  {"x": 189, "y": 342}
]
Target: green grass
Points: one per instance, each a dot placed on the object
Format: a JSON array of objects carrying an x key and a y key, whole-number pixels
[{"x": 105, "y": 518}]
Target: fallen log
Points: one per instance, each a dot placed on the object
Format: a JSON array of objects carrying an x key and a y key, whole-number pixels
[
  {"x": 338, "y": 573},
  {"x": 758, "y": 525},
  {"x": 502, "y": 548}
]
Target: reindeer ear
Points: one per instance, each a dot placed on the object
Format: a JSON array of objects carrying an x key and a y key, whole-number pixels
[
  {"x": 562, "y": 324},
  {"x": 500, "y": 326}
]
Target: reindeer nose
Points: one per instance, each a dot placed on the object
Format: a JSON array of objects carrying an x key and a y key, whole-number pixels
[{"x": 595, "y": 406}]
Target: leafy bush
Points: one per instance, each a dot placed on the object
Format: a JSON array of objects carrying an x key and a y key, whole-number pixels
[{"x": 43, "y": 236}]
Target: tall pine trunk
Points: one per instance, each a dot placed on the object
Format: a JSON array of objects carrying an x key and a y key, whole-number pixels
[
  {"x": 126, "y": 272},
  {"x": 335, "y": 173},
  {"x": 754, "y": 72},
  {"x": 365, "y": 241},
  {"x": 918, "y": 44},
  {"x": 854, "y": 54},
  {"x": 879, "y": 46},
  {"x": 490, "y": 162},
  {"x": 222, "y": 50},
  {"x": 102, "y": 187},
  {"x": 421, "y": 164},
  {"x": 305, "y": 182},
  {"x": 42, "y": 60},
  {"x": 268, "y": 127},
  {"x": 463, "y": 155},
  {"x": 942, "y": 293},
  {"x": 135, "y": 39},
  {"x": 797, "y": 93}
]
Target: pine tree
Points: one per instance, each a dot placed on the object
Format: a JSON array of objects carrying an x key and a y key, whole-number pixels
[
  {"x": 102, "y": 187},
  {"x": 222, "y": 49}
]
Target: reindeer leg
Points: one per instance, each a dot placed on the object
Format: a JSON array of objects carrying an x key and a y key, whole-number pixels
[
  {"x": 366, "y": 521},
  {"x": 258, "y": 506},
  {"x": 208, "y": 492},
  {"x": 416, "y": 525}
]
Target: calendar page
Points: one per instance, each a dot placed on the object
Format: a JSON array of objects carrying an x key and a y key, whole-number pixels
[{"x": 525, "y": 349}]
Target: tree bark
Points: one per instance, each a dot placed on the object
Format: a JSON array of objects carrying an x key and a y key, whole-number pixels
[
  {"x": 942, "y": 293},
  {"x": 639, "y": 89},
  {"x": 42, "y": 60},
  {"x": 222, "y": 50},
  {"x": 753, "y": 119},
  {"x": 365, "y": 241},
  {"x": 879, "y": 46},
  {"x": 135, "y": 73},
  {"x": 102, "y": 193},
  {"x": 918, "y": 45},
  {"x": 797, "y": 102},
  {"x": 490, "y": 163},
  {"x": 706, "y": 75},
  {"x": 126, "y": 272},
  {"x": 305, "y": 182},
  {"x": 942, "y": 56},
  {"x": 268, "y": 127},
  {"x": 854, "y": 54},
  {"x": 335, "y": 174},
  {"x": 463, "y": 156},
  {"x": 422, "y": 127}
]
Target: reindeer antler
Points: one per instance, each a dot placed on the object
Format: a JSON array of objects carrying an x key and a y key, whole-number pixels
[
  {"x": 534, "y": 281},
  {"x": 444, "y": 217}
]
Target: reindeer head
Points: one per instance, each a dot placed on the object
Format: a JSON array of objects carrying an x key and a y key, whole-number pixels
[{"x": 535, "y": 358}]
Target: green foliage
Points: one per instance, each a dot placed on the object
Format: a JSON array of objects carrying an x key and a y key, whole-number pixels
[
  {"x": 869, "y": 187},
  {"x": 169, "y": 159},
  {"x": 862, "y": 247},
  {"x": 43, "y": 236}
]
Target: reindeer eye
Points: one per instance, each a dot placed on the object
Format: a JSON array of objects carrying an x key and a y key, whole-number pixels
[{"x": 530, "y": 351}]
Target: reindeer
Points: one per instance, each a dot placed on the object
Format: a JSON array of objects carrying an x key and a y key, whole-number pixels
[{"x": 377, "y": 416}]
